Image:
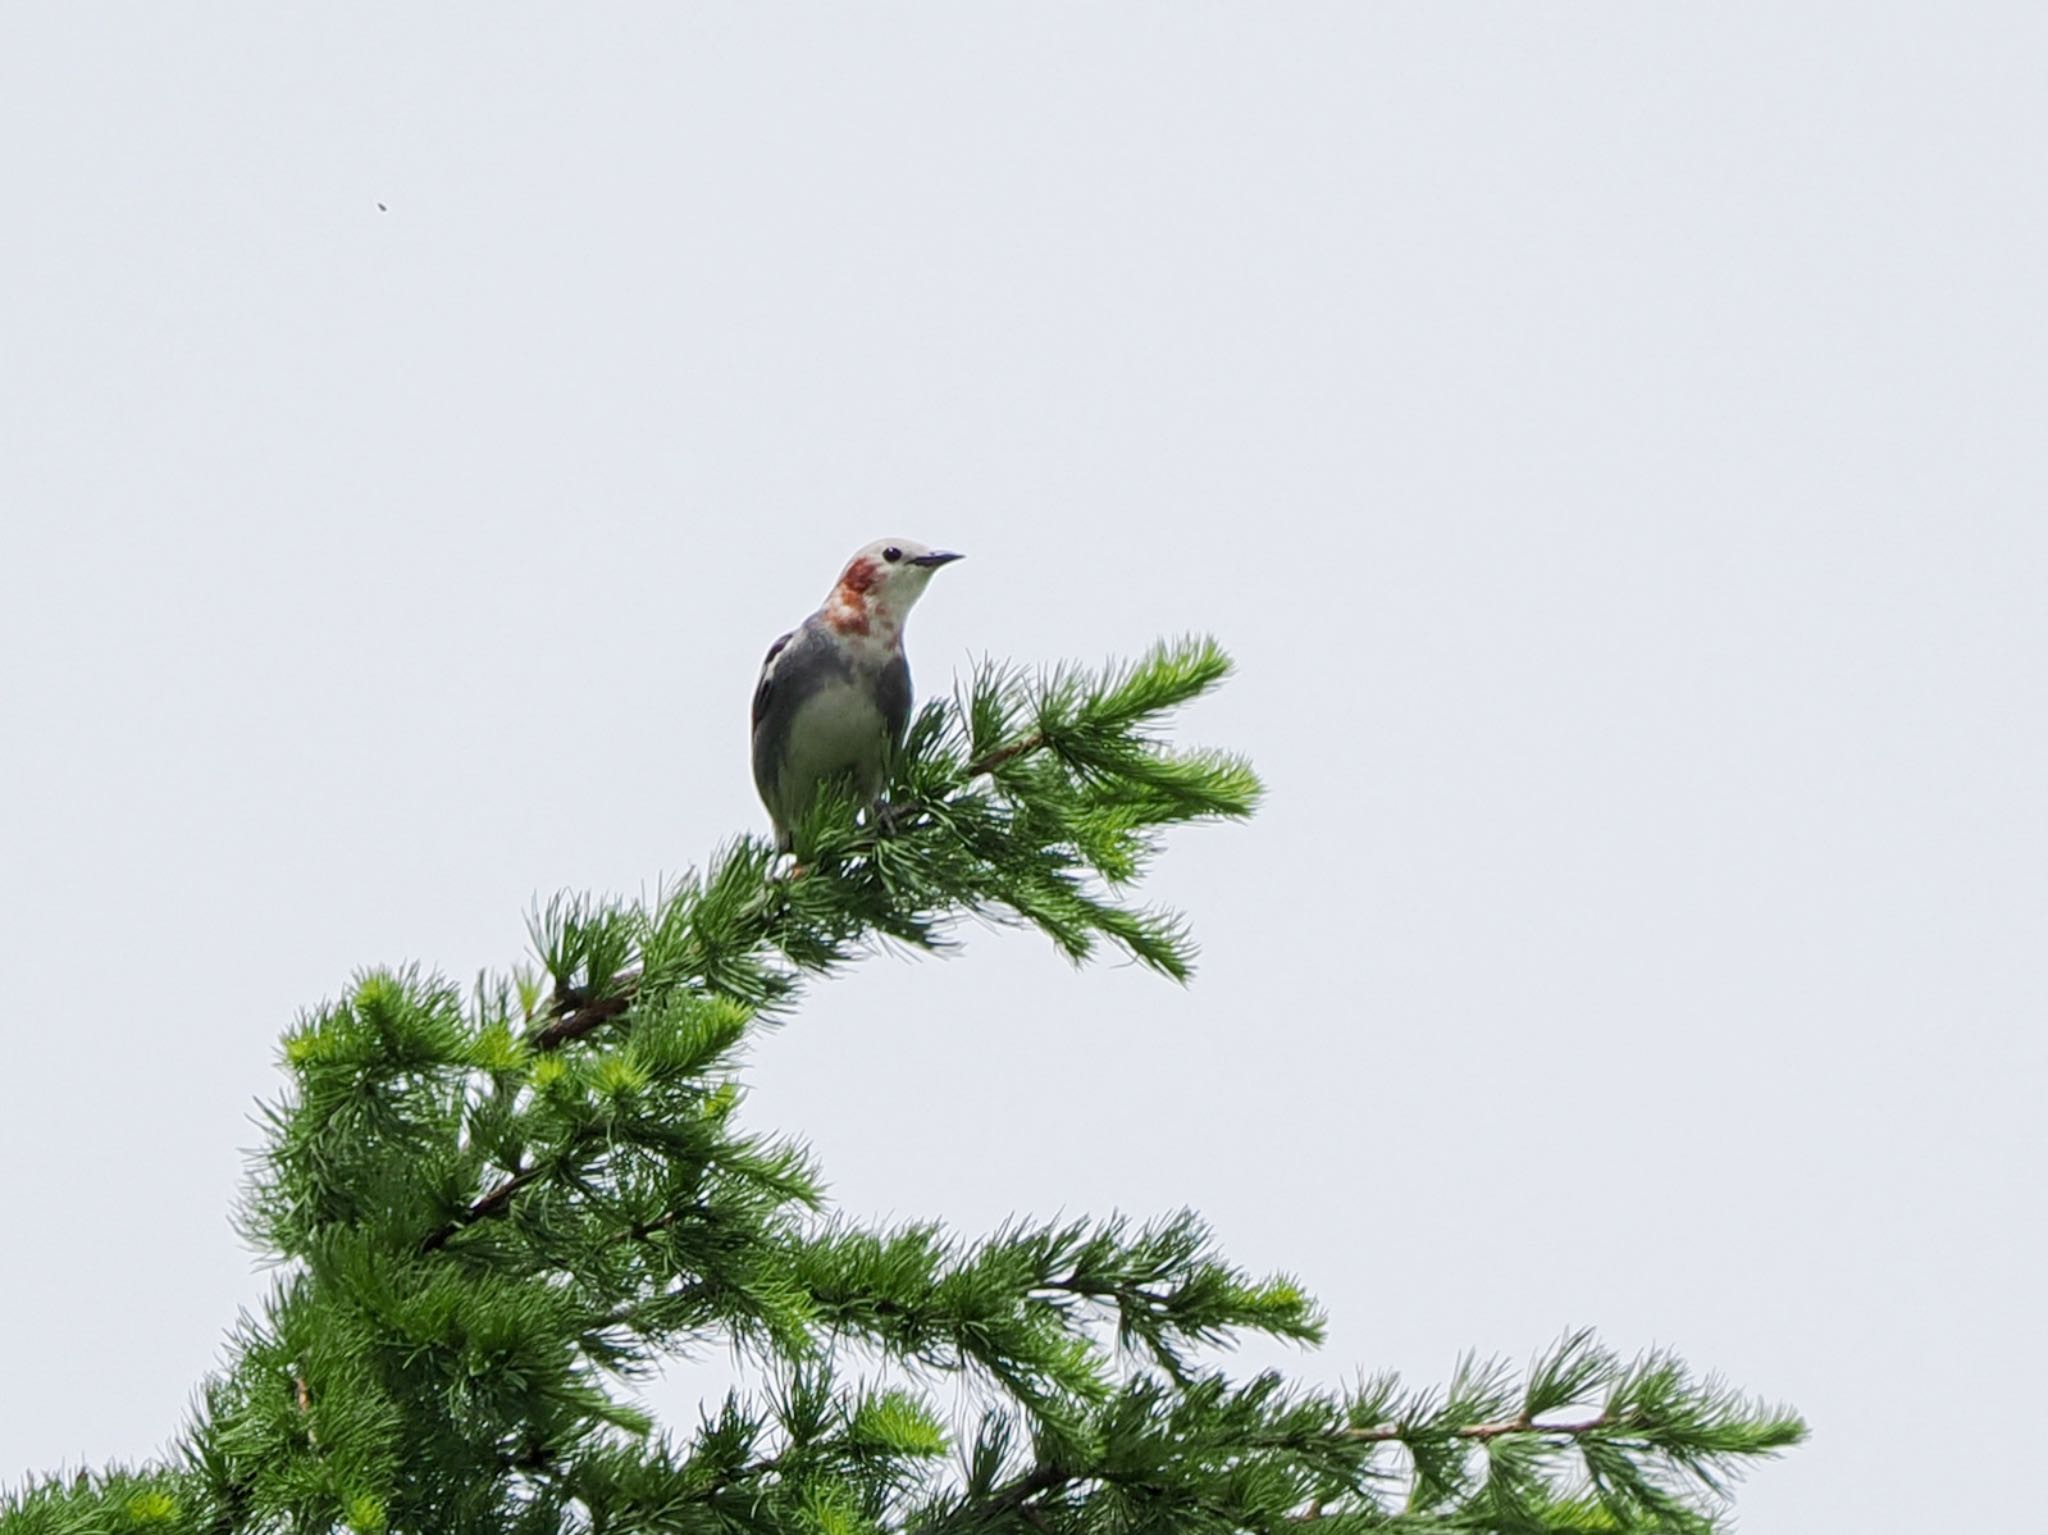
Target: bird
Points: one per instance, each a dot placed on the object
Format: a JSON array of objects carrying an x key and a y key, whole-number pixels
[{"x": 834, "y": 696}]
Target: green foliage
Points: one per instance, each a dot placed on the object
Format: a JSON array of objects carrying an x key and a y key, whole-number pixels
[{"x": 493, "y": 1212}]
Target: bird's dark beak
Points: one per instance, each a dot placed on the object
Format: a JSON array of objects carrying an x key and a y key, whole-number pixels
[{"x": 937, "y": 558}]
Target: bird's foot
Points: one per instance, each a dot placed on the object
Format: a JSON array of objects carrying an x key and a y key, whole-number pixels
[{"x": 889, "y": 819}]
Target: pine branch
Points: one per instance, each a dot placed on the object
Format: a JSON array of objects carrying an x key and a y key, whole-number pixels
[
  {"x": 1036, "y": 1483},
  {"x": 489, "y": 1213},
  {"x": 1391, "y": 1433},
  {"x": 811, "y": 916},
  {"x": 493, "y": 1203},
  {"x": 573, "y": 1020},
  {"x": 1002, "y": 756}
]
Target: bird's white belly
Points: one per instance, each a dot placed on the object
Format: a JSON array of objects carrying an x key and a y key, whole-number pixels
[{"x": 837, "y": 730}]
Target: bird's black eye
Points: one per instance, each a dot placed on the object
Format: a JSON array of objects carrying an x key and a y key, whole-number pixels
[{"x": 892, "y": 554}]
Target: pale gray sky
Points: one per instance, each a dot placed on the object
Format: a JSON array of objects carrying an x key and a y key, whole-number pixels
[{"x": 1609, "y": 437}]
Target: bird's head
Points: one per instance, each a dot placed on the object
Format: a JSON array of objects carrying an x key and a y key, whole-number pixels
[{"x": 880, "y": 585}]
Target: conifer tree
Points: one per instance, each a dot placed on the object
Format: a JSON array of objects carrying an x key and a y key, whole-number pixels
[{"x": 493, "y": 1209}]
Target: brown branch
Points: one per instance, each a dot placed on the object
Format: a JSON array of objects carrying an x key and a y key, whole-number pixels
[
  {"x": 492, "y": 1203},
  {"x": 1014, "y": 1499},
  {"x": 989, "y": 761},
  {"x": 303, "y": 1395},
  {"x": 1524, "y": 1424},
  {"x": 1020, "y": 1492},
  {"x": 1474, "y": 1432},
  {"x": 645, "y": 1229},
  {"x": 1019, "y": 1497},
  {"x": 575, "y": 1021}
]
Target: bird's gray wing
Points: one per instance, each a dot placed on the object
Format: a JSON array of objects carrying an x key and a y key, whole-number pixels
[
  {"x": 766, "y": 687},
  {"x": 892, "y": 692},
  {"x": 768, "y": 697}
]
